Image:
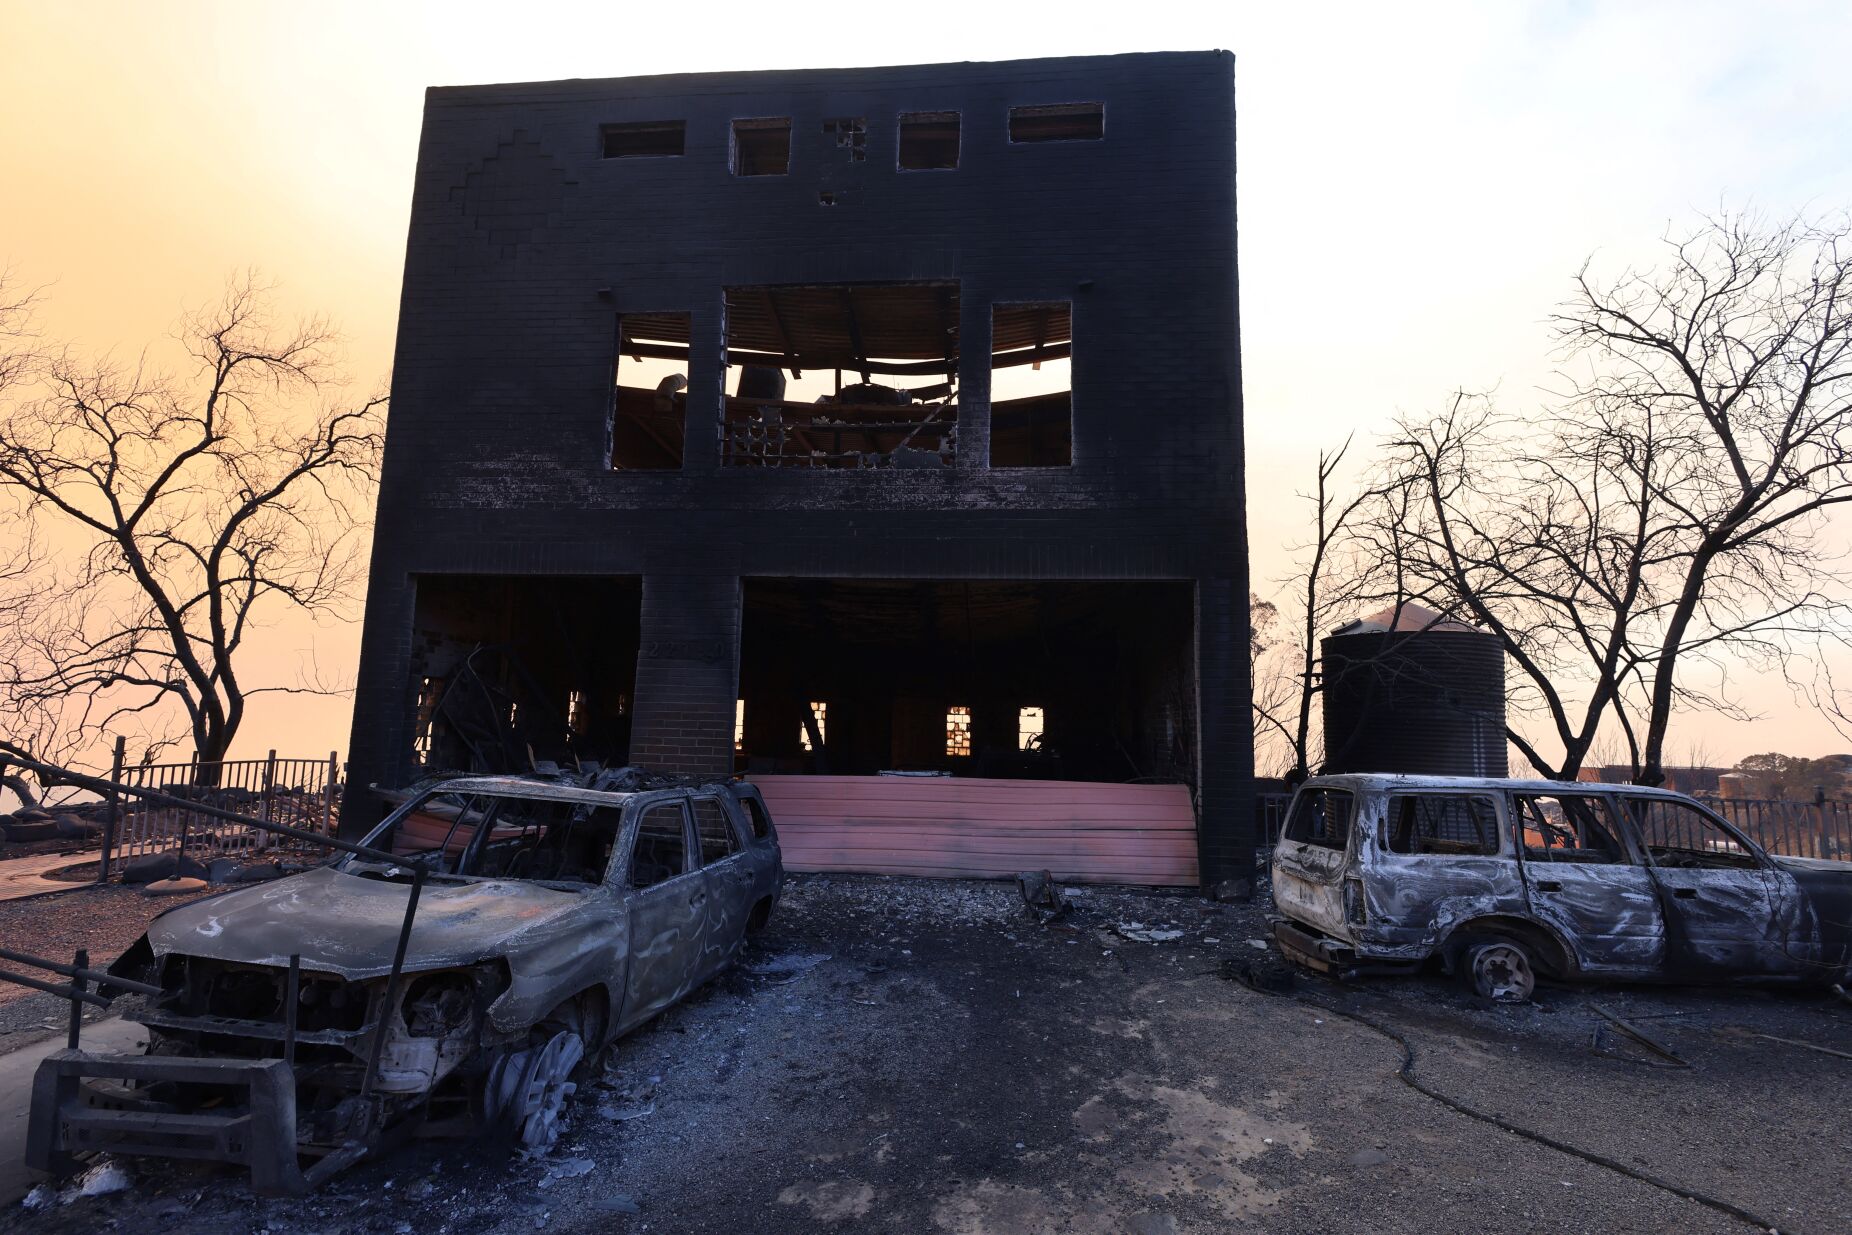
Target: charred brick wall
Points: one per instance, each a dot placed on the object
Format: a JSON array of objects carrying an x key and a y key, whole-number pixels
[
  {"x": 526, "y": 244},
  {"x": 687, "y": 673}
]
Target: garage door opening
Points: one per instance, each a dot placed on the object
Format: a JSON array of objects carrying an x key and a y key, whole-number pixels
[
  {"x": 1025, "y": 680},
  {"x": 509, "y": 672},
  {"x": 973, "y": 729}
]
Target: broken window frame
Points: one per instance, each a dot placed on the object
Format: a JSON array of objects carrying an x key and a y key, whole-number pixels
[
  {"x": 849, "y": 133},
  {"x": 424, "y": 718},
  {"x": 680, "y": 808},
  {"x": 1030, "y": 740},
  {"x": 819, "y": 708},
  {"x": 644, "y": 129},
  {"x": 958, "y": 732},
  {"x": 1037, "y": 124},
  {"x": 1403, "y": 836},
  {"x": 1311, "y": 820},
  {"x": 1736, "y": 853},
  {"x": 714, "y": 834},
  {"x": 737, "y": 150},
  {"x": 1035, "y": 355},
  {"x": 877, "y": 332},
  {"x": 672, "y": 436},
  {"x": 909, "y": 136},
  {"x": 1532, "y": 821}
]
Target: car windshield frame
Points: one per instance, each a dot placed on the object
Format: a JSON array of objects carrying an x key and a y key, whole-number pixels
[{"x": 433, "y": 860}]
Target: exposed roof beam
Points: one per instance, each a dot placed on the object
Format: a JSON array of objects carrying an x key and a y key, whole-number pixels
[
  {"x": 855, "y": 335},
  {"x": 770, "y": 302},
  {"x": 897, "y": 368},
  {"x": 948, "y": 327}
]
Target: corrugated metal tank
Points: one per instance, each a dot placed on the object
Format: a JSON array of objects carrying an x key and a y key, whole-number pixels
[{"x": 1409, "y": 691}]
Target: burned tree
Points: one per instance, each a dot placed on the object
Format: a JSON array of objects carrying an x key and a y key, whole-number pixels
[
  {"x": 1668, "y": 515},
  {"x": 1325, "y": 588},
  {"x": 184, "y": 514}
]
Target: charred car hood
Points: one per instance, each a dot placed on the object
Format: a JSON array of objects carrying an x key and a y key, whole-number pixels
[{"x": 347, "y": 924}]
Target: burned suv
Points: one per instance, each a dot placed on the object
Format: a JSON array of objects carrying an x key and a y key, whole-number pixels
[
  {"x": 450, "y": 975},
  {"x": 1506, "y": 880}
]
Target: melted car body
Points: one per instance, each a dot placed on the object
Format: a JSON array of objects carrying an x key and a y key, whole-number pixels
[
  {"x": 1505, "y": 880},
  {"x": 496, "y": 931}
]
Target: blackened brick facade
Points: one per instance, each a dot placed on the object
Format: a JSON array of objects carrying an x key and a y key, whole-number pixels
[{"x": 526, "y": 243}]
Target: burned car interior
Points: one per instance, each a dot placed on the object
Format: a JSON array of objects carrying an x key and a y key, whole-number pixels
[{"x": 478, "y": 836}]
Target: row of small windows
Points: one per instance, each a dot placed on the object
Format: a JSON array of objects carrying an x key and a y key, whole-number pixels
[
  {"x": 1029, "y": 727},
  {"x": 928, "y": 140}
]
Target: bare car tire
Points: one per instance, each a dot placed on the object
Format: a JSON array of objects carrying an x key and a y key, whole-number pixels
[
  {"x": 528, "y": 1090},
  {"x": 1499, "y": 968}
]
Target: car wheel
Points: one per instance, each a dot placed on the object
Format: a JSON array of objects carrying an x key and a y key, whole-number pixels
[
  {"x": 1500, "y": 969},
  {"x": 528, "y": 1090}
]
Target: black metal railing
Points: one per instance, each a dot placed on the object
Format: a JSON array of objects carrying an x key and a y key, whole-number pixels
[
  {"x": 1818, "y": 829},
  {"x": 80, "y": 972},
  {"x": 302, "y": 793}
]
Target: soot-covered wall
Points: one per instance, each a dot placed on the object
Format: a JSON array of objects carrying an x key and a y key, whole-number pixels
[{"x": 526, "y": 245}]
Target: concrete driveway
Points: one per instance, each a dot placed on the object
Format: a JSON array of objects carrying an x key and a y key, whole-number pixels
[{"x": 902, "y": 1056}]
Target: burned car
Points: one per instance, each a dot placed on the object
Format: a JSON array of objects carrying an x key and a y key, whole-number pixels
[
  {"x": 1504, "y": 881},
  {"x": 491, "y": 936}
]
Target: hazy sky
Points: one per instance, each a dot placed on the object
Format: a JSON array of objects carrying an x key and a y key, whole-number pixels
[{"x": 1417, "y": 182}]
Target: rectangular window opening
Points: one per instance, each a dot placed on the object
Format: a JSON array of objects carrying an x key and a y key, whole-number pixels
[
  {"x": 428, "y": 691},
  {"x": 859, "y": 375},
  {"x": 1569, "y": 828},
  {"x": 1447, "y": 824},
  {"x": 661, "y": 851},
  {"x": 647, "y": 139},
  {"x": 1029, "y": 726},
  {"x": 762, "y": 147},
  {"x": 1321, "y": 817},
  {"x": 650, "y": 399},
  {"x": 1060, "y": 122},
  {"x": 850, "y": 135},
  {"x": 928, "y": 141},
  {"x": 958, "y": 732},
  {"x": 820, "y": 710},
  {"x": 739, "y": 726},
  {"x": 1031, "y": 385}
]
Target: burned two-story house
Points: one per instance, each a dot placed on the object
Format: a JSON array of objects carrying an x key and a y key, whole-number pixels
[{"x": 871, "y": 433}]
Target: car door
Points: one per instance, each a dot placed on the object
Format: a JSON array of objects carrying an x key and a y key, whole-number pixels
[
  {"x": 1583, "y": 879},
  {"x": 1440, "y": 858},
  {"x": 668, "y": 901},
  {"x": 1715, "y": 888},
  {"x": 728, "y": 875}
]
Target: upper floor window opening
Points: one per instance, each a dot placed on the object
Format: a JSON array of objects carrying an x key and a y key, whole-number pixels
[
  {"x": 1058, "y": 122},
  {"x": 1032, "y": 385},
  {"x": 762, "y": 147},
  {"x": 928, "y": 141},
  {"x": 644, "y": 139},
  {"x": 857, "y": 375},
  {"x": 849, "y": 134},
  {"x": 649, "y": 402}
]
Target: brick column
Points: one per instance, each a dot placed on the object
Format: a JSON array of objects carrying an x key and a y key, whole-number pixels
[
  {"x": 687, "y": 674},
  {"x": 1226, "y": 835}
]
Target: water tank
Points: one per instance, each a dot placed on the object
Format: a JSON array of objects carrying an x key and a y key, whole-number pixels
[{"x": 1406, "y": 690}]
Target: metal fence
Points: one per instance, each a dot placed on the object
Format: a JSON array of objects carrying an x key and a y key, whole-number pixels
[
  {"x": 1270, "y": 816},
  {"x": 1796, "y": 829},
  {"x": 298, "y": 793}
]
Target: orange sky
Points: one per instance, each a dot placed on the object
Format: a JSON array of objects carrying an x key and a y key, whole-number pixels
[{"x": 1417, "y": 182}]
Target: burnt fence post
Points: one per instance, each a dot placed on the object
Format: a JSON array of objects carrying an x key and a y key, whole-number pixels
[{"x": 113, "y": 812}]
